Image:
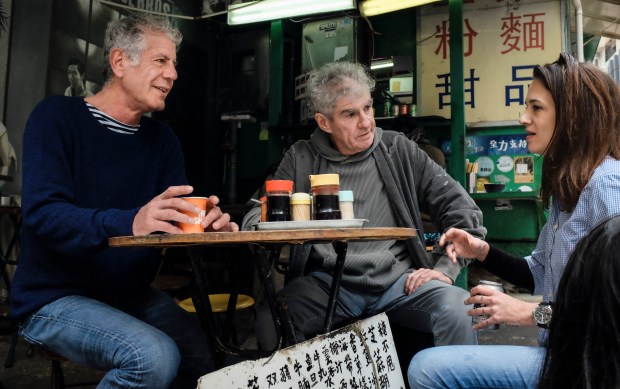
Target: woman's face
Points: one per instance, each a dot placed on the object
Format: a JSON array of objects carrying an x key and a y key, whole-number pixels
[{"x": 539, "y": 117}]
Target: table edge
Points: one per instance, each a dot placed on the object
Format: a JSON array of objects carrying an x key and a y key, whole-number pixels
[{"x": 268, "y": 236}]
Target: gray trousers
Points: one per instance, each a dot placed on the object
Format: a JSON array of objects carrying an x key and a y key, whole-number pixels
[{"x": 435, "y": 307}]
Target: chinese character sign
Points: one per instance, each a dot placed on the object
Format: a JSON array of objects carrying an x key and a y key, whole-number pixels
[
  {"x": 496, "y": 145},
  {"x": 502, "y": 42},
  {"x": 361, "y": 355},
  {"x": 491, "y": 145},
  {"x": 502, "y": 159}
]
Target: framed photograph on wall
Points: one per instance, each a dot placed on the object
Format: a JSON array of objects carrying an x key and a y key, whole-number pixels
[
  {"x": 8, "y": 158},
  {"x": 5, "y": 29},
  {"x": 78, "y": 29}
]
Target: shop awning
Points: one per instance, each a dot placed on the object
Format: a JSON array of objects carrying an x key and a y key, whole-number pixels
[{"x": 600, "y": 18}]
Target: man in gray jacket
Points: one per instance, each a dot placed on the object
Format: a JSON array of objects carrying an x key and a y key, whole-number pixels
[{"x": 393, "y": 181}]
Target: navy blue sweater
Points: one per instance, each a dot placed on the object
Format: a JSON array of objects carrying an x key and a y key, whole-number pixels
[{"x": 82, "y": 184}]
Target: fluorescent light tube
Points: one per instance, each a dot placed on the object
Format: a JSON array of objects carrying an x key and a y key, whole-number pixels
[
  {"x": 259, "y": 11},
  {"x": 381, "y": 64},
  {"x": 376, "y": 7}
]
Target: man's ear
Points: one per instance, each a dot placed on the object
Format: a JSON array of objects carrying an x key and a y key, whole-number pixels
[
  {"x": 118, "y": 62},
  {"x": 323, "y": 122}
]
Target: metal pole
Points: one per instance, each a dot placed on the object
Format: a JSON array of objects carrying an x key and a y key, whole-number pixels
[
  {"x": 457, "y": 92},
  {"x": 579, "y": 29}
]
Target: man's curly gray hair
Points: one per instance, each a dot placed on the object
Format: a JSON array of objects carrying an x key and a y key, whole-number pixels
[{"x": 334, "y": 80}]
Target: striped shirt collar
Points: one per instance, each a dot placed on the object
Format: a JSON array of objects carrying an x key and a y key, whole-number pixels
[{"x": 112, "y": 124}]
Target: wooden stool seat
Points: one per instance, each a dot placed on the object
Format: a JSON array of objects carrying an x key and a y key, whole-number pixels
[
  {"x": 52, "y": 356},
  {"x": 219, "y": 303}
]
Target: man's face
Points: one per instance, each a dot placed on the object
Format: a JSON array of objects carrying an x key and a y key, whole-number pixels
[
  {"x": 75, "y": 78},
  {"x": 352, "y": 125},
  {"x": 149, "y": 82},
  {"x": 539, "y": 117}
]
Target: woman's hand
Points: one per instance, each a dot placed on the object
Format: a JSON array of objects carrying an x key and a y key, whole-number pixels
[
  {"x": 460, "y": 243},
  {"x": 422, "y": 276},
  {"x": 499, "y": 307}
]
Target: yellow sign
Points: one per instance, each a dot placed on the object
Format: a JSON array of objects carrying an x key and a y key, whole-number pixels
[{"x": 502, "y": 42}]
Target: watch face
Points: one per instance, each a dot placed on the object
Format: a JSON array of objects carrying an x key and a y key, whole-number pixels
[{"x": 542, "y": 314}]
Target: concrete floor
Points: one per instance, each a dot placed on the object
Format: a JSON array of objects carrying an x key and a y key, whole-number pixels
[{"x": 32, "y": 371}]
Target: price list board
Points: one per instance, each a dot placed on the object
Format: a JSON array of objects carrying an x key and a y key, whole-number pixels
[{"x": 361, "y": 355}]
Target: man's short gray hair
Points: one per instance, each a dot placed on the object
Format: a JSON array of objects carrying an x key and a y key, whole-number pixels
[
  {"x": 332, "y": 81},
  {"x": 128, "y": 34}
]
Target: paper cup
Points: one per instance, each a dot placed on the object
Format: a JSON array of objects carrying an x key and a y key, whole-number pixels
[{"x": 200, "y": 202}]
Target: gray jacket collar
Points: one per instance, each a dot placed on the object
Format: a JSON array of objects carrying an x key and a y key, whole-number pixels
[{"x": 325, "y": 147}]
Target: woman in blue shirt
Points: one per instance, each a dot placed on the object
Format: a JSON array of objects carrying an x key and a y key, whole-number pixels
[
  {"x": 572, "y": 117},
  {"x": 583, "y": 347}
]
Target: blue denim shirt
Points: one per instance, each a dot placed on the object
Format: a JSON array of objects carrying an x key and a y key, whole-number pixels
[{"x": 599, "y": 201}]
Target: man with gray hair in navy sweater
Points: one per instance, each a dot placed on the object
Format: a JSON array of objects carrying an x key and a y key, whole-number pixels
[
  {"x": 95, "y": 168},
  {"x": 393, "y": 180}
]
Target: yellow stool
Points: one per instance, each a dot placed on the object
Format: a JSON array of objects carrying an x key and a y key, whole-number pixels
[{"x": 219, "y": 304}]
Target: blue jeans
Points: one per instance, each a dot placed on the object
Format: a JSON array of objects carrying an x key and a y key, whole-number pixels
[
  {"x": 148, "y": 342},
  {"x": 436, "y": 307},
  {"x": 476, "y": 367}
]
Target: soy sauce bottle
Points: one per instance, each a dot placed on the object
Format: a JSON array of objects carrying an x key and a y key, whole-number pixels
[
  {"x": 325, "y": 189},
  {"x": 279, "y": 200}
]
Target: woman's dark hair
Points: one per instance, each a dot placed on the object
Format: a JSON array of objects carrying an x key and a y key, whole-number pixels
[
  {"x": 583, "y": 347},
  {"x": 587, "y": 127}
]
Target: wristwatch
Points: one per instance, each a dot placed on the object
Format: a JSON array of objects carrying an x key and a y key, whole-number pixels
[{"x": 542, "y": 315}]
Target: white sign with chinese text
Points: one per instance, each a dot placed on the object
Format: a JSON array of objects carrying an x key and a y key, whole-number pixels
[
  {"x": 503, "y": 41},
  {"x": 361, "y": 355}
]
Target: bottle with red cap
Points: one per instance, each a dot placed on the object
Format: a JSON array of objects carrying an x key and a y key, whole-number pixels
[{"x": 279, "y": 200}]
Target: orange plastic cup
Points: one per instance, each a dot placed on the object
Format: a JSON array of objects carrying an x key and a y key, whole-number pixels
[{"x": 200, "y": 202}]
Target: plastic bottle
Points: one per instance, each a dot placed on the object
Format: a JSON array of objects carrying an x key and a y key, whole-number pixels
[
  {"x": 300, "y": 206},
  {"x": 346, "y": 204}
]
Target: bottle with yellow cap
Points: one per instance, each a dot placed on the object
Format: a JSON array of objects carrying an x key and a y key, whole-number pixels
[
  {"x": 325, "y": 189},
  {"x": 300, "y": 206}
]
